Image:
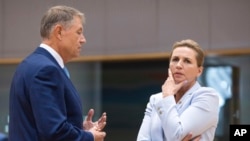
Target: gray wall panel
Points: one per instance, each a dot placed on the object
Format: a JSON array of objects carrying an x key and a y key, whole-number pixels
[
  {"x": 230, "y": 24},
  {"x": 181, "y": 20},
  {"x": 131, "y": 27},
  {"x": 1, "y": 28},
  {"x": 21, "y": 26}
]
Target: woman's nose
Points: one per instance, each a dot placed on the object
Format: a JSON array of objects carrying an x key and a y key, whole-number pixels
[{"x": 179, "y": 64}]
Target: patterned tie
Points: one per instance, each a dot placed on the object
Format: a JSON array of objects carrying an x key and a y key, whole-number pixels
[{"x": 66, "y": 72}]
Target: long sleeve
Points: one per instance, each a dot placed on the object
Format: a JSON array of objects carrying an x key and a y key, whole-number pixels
[
  {"x": 196, "y": 112},
  {"x": 44, "y": 104},
  {"x": 144, "y": 132},
  {"x": 150, "y": 129},
  {"x": 49, "y": 98},
  {"x": 198, "y": 117}
]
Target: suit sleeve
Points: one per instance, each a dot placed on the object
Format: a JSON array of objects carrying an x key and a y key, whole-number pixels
[{"x": 49, "y": 108}]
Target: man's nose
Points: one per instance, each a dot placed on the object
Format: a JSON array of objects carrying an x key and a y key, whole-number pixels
[{"x": 83, "y": 39}]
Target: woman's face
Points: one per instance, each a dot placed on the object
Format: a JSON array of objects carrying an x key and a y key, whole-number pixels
[{"x": 183, "y": 65}]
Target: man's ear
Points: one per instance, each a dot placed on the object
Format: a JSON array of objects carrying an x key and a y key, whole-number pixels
[{"x": 57, "y": 31}]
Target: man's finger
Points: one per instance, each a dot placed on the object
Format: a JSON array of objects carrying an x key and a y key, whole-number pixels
[
  {"x": 102, "y": 121},
  {"x": 90, "y": 115}
]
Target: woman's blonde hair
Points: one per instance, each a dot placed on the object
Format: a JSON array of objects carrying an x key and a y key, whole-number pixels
[{"x": 200, "y": 55}]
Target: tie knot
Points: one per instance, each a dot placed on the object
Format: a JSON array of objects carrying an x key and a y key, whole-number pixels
[{"x": 66, "y": 72}]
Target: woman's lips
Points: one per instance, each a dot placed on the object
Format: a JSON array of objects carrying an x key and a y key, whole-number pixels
[{"x": 177, "y": 74}]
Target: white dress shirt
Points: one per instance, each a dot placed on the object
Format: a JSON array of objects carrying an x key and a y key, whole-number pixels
[
  {"x": 196, "y": 112},
  {"x": 54, "y": 54}
]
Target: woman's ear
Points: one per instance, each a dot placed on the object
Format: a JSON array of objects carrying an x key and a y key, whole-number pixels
[{"x": 200, "y": 70}]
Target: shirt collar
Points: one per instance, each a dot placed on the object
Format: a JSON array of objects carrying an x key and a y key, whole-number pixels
[
  {"x": 194, "y": 87},
  {"x": 191, "y": 90},
  {"x": 54, "y": 54}
]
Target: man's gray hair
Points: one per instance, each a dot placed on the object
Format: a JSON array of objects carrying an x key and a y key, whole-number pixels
[{"x": 63, "y": 15}]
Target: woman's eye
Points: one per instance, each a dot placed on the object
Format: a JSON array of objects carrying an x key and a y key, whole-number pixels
[
  {"x": 187, "y": 61},
  {"x": 175, "y": 59}
]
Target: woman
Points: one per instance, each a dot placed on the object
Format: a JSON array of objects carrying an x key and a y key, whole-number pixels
[{"x": 183, "y": 106}]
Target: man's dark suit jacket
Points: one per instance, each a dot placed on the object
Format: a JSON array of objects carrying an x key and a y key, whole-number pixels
[{"x": 44, "y": 104}]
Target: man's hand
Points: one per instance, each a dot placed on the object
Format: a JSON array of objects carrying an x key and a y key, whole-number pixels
[
  {"x": 188, "y": 137},
  {"x": 88, "y": 124},
  {"x": 98, "y": 135}
]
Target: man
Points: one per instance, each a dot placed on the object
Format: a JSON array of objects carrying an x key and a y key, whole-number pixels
[{"x": 44, "y": 104}]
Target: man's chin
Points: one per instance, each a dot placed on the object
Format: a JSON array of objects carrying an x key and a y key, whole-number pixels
[{"x": 77, "y": 55}]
